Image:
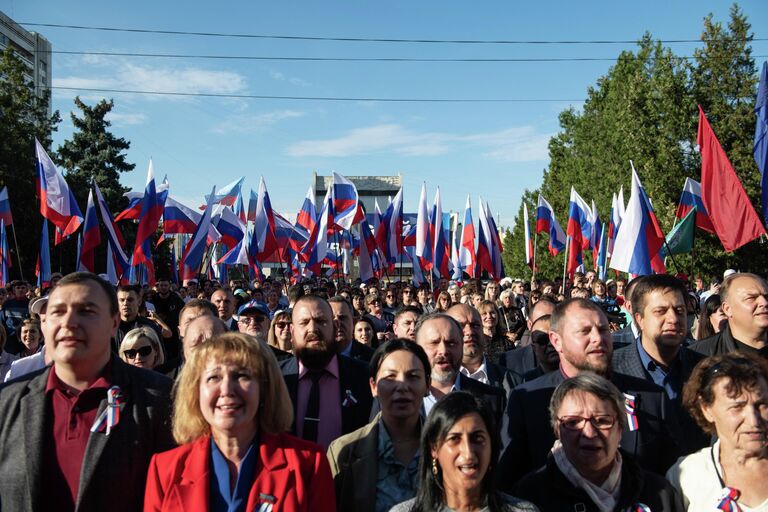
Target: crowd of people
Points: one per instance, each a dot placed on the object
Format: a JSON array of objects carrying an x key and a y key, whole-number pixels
[{"x": 608, "y": 395}]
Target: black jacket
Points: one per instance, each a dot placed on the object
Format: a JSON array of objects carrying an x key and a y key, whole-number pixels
[
  {"x": 353, "y": 376},
  {"x": 721, "y": 343},
  {"x": 527, "y": 434},
  {"x": 361, "y": 352},
  {"x": 550, "y": 490},
  {"x": 623, "y": 337},
  {"x": 519, "y": 360}
]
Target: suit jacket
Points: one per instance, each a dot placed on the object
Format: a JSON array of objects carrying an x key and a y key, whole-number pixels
[
  {"x": 501, "y": 378},
  {"x": 361, "y": 352},
  {"x": 292, "y": 471},
  {"x": 721, "y": 343},
  {"x": 627, "y": 360},
  {"x": 114, "y": 466},
  {"x": 623, "y": 337},
  {"x": 527, "y": 435},
  {"x": 354, "y": 462},
  {"x": 353, "y": 376},
  {"x": 494, "y": 397},
  {"x": 519, "y": 360}
]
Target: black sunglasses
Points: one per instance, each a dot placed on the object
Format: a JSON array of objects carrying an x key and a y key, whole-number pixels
[
  {"x": 540, "y": 338},
  {"x": 143, "y": 352}
]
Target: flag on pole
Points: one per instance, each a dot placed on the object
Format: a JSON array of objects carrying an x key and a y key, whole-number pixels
[
  {"x": 263, "y": 241},
  {"x": 488, "y": 244},
  {"x": 547, "y": 223},
  {"x": 315, "y": 250},
  {"x": 440, "y": 252},
  {"x": 578, "y": 229},
  {"x": 467, "y": 253},
  {"x": 760, "y": 148},
  {"x": 91, "y": 237},
  {"x": 680, "y": 239},
  {"x": 115, "y": 241},
  {"x": 423, "y": 241},
  {"x": 389, "y": 237},
  {"x": 192, "y": 258},
  {"x": 5, "y": 208},
  {"x": 228, "y": 194},
  {"x": 43, "y": 266},
  {"x": 228, "y": 224},
  {"x": 344, "y": 211},
  {"x": 57, "y": 203},
  {"x": 602, "y": 253},
  {"x": 307, "y": 216},
  {"x": 152, "y": 205},
  {"x": 528, "y": 241},
  {"x": 730, "y": 210},
  {"x": 5, "y": 256},
  {"x": 640, "y": 238},
  {"x": 690, "y": 199}
]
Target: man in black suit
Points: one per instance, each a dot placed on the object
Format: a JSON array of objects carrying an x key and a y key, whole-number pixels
[
  {"x": 474, "y": 364},
  {"x": 441, "y": 338},
  {"x": 580, "y": 332},
  {"x": 659, "y": 356},
  {"x": 523, "y": 359},
  {"x": 330, "y": 393},
  {"x": 344, "y": 331}
]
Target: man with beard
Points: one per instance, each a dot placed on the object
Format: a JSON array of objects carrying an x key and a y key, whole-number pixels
[
  {"x": 441, "y": 338},
  {"x": 330, "y": 394},
  {"x": 474, "y": 364},
  {"x": 343, "y": 331},
  {"x": 580, "y": 332}
]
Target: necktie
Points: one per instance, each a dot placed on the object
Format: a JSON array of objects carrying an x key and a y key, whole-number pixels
[{"x": 312, "y": 414}]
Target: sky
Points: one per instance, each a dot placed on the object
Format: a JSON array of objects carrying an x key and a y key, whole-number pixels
[{"x": 495, "y": 150}]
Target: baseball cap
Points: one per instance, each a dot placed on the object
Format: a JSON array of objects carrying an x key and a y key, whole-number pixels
[
  {"x": 254, "y": 305},
  {"x": 37, "y": 304}
]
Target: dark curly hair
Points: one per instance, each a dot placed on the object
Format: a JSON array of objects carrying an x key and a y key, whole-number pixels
[{"x": 743, "y": 370}]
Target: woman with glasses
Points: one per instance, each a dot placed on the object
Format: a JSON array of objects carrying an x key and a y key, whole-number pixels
[
  {"x": 585, "y": 469},
  {"x": 459, "y": 453},
  {"x": 279, "y": 335},
  {"x": 141, "y": 347},
  {"x": 727, "y": 395}
]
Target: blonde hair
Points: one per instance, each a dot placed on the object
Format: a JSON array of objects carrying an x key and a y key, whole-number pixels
[
  {"x": 275, "y": 414},
  {"x": 134, "y": 335}
]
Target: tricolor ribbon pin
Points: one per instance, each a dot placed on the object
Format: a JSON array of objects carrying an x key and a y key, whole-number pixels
[
  {"x": 728, "y": 500},
  {"x": 110, "y": 416},
  {"x": 629, "y": 407},
  {"x": 349, "y": 399}
]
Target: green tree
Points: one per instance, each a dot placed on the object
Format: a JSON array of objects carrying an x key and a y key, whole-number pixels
[{"x": 23, "y": 117}]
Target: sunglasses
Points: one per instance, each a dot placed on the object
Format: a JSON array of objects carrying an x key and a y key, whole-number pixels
[
  {"x": 282, "y": 325},
  {"x": 247, "y": 320},
  {"x": 540, "y": 338},
  {"x": 142, "y": 352}
]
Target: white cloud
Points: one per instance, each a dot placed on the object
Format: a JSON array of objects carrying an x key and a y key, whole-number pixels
[
  {"x": 254, "y": 123},
  {"x": 126, "y": 119},
  {"x": 516, "y": 144},
  {"x": 280, "y": 77}
]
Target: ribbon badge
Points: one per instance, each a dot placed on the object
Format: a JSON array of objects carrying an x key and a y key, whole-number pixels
[
  {"x": 349, "y": 399},
  {"x": 629, "y": 407},
  {"x": 266, "y": 502},
  {"x": 110, "y": 416},
  {"x": 639, "y": 507},
  {"x": 728, "y": 500}
]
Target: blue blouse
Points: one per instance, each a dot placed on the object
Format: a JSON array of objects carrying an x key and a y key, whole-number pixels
[{"x": 222, "y": 499}]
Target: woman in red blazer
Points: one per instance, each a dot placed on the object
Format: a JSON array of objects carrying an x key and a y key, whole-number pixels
[{"x": 231, "y": 412}]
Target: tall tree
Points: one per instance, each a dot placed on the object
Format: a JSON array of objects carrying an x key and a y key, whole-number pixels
[{"x": 23, "y": 116}]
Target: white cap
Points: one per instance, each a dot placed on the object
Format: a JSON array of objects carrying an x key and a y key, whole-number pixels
[{"x": 728, "y": 272}]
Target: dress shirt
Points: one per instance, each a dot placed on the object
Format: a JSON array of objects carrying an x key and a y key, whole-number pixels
[
  {"x": 329, "y": 427},
  {"x": 394, "y": 482},
  {"x": 481, "y": 374},
  {"x": 223, "y": 499},
  {"x": 670, "y": 378},
  {"x": 430, "y": 400},
  {"x": 68, "y": 433}
]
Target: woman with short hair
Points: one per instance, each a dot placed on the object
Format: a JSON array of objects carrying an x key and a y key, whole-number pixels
[
  {"x": 231, "y": 414},
  {"x": 727, "y": 396},
  {"x": 585, "y": 469},
  {"x": 141, "y": 347},
  {"x": 459, "y": 453}
]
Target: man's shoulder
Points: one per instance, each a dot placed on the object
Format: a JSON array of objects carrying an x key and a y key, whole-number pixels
[
  {"x": 547, "y": 381},
  {"x": 626, "y": 359},
  {"x": 289, "y": 366},
  {"x": 23, "y": 384},
  {"x": 477, "y": 387},
  {"x": 629, "y": 383},
  {"x": 147, "y": 381},
  {"x": 707, "y": 346}
]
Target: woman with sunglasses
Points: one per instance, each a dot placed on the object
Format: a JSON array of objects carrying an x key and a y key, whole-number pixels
[
  {"x": 279, "y": 335},
  {"x": 141, "y": 347},
  {"x": 727, "y": 395},
  {"x": 586, "y": 470}
]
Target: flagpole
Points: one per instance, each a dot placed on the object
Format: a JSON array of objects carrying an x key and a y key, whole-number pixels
[
  {"x": 338, "y": 278},
  {"x": 533, "y": 270},
  {"x": 18, "y": 254},
  {"x": 565, "y": 262}
]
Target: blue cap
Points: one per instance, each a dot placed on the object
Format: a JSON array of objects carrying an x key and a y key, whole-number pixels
[{"x": 254, "y": 305}]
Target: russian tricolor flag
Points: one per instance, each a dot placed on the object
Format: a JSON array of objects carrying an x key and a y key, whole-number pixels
[
  {"x": 152, "y": 205},
  {"x": 307, "y": 216},
  {"x": 390, "y": 234},
  {"x": 343, "y": 201},
  {"x": 547, "y": 223},
  {"x": 229, "y": 225},
  {"x": 192, "y": 259},
  {"x": 440, "y": 251},
  {"x": 5, "y": 256},
  {"x": 640, "y": 238},
  {"x": 467, "y": 254},
  {"x": 178, "y": 218},
  {"x": 91, "y": 236},
  {"x": 263, "y": 242},
  {"x": 227, "y": 194},
  {"x": 315, "y": 250},
  {"x": 43, "y": 266},
  {"x": 5, "y": 208},
  {"x": 423, "y": 241},
  {"x": 57, "y": 203},
  {"x": 579, "y": 230},
  {"x": 116, "y": 256},
  {"x": 691, "y": 197}
]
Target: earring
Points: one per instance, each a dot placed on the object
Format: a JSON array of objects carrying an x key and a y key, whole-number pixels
[{"x": 434, "y": 467}]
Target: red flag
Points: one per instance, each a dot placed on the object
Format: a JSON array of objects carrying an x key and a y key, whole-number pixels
[{"x": 733, "y": 216}]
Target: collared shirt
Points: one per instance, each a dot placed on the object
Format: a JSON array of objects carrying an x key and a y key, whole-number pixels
[
  {"x": 329, "y": 427},
  {"x": 67, "y": 436},
  {"x": 668, "y": 378},
  {"x": 481, "y": 374},
  {"x": 395, "y": 482},
  {"x": 223, "y": 499},
  {"x": 430, "y": 400}
]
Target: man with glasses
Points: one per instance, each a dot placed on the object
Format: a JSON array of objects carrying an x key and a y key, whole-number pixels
[
  {"x": 380, "y": 319},
  {"x": 391, "y": 302},
  {"x": 545, "y": 353},
  {"x": 580, "y": 332},
  {"x": 253, "y": 319}
]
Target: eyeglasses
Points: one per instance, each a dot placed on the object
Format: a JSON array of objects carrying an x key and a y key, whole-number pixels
[
  {"x": 248, "y": 320},
  {"x": 282, "y": 325},
  {"x": 576, "y": 423},
  {"x": 540, "y": 338},
  {"x": 142, "y": 352}
]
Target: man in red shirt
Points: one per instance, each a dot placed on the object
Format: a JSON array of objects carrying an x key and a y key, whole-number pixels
[{"x": 61, "y": 450}]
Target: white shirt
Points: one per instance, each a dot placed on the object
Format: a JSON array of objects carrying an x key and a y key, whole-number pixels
[
  {"x": 26, "y": 365},
  {"x": 481, "y": 374},
  {"x": 430, "y": 400}
]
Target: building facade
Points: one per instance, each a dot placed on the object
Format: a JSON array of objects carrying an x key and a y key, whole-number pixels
[{"x": 33, "y": 49}]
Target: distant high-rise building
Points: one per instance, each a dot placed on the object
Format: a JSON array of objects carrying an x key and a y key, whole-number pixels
[{"x": 32, "y": 48}]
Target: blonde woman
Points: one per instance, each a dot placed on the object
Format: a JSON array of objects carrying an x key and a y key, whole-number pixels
[{"x": 141, "y": 347}]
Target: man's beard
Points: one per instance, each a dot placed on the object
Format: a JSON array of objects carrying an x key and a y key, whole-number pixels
[
  {"x": 444, "y": 377},
  {"x": 317, "y": 356}
]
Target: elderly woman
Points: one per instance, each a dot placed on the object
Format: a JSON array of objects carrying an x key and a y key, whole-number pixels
[
  {"x": 141, "y": 347},
  {"x": 585, "y": 470},
  {"x": 711, "y": 320},
  {"x": 279, "y": 335},
  {"x": 727, "y": 395},
  {"x": 231, "y": 412},
  {"x": 460, "y": 448},
  {"x": 375, "y": 467},
  {"x": 31, "y": 337}
]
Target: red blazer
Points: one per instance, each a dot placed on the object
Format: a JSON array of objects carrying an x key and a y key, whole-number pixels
[{"x": 292, "y": 471}]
